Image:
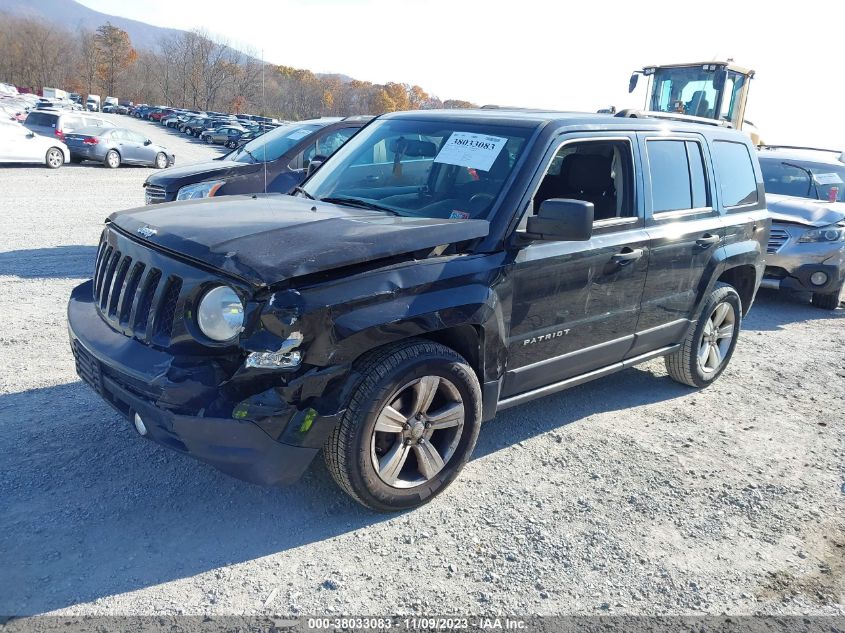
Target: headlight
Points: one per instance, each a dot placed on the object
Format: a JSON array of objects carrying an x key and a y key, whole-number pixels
[
  {"x": 832, "y": 233},
  {"x": 220, "y": 314},
  {"x": 200, "y": 190}
]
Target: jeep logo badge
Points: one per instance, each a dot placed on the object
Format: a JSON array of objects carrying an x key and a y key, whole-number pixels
[{"x": 147, "y": 231}]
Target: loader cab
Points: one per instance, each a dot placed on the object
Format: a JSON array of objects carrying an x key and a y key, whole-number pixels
[{"x": 713, "y": 90}]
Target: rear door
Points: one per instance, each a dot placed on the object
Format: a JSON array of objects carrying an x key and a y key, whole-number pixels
[{"x": 685, "y": 231}]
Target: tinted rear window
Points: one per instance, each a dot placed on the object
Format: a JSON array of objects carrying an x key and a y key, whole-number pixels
[
  {"x": 41, "y": 118},
  {"x": 736, "y": 173}
]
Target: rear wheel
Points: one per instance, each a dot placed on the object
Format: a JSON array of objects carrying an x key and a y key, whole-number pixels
[
  {"x": 828, "y": 301},
  {"x": 410, "y": 425},
  {"x": 710, "y": 342},
  {"x": 112, "y": 160},
  {"x": 161, "y": 161},
  {"x": 55, "y": 158}
]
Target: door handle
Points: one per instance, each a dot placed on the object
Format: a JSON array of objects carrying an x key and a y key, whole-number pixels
[
  {"x": 627, "y": 256},
  {"x": 707, "y": 240}
]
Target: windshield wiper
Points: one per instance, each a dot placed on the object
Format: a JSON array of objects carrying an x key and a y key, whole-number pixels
[
  {"x": 251, "y": 155},
  {"x": 809, "y": 173},
  {"x": 303, "y": 192},
  {"x": 358, "y": 202}
]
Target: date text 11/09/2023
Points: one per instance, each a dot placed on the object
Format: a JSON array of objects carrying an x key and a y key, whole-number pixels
[{"x": 419, "y": 623}]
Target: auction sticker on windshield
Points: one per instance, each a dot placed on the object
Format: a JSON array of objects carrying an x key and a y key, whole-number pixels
[
  {"x": 295, "y": 136},
  {"x": 827, "y": 179},
  {"x": 465, "y": 149}
]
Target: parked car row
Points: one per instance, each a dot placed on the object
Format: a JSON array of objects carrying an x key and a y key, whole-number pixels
[{"x": 54, "y": 137}]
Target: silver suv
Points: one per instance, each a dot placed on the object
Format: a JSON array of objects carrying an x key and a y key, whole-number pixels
[
  {"x": 57, "y": 123},
  {"x": 805, "y": 189}
]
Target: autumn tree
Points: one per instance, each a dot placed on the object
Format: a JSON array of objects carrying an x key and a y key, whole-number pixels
[{"x": 115, "y": 53}]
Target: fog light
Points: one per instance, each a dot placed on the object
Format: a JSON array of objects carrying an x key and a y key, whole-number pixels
[
  {"x": 818, "y": 279},
  {"x": 139, "y": 425}
]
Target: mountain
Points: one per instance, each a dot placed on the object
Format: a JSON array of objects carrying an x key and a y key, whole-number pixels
[
  {"x": 74, "y": 16},
  {"x": 71, "y": 15}
]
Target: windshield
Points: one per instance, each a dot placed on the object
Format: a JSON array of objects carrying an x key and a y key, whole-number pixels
[
  {"x": 804, "y": 179},
  {"x": 422, "y": 168},
  {"x": 690, "y": 91},
  {"x": 270, "y": 146}
]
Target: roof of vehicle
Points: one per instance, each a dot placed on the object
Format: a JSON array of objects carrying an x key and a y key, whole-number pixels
[
  {"x": 519, "y": 117},
  {"x": 808, "y": 154}
]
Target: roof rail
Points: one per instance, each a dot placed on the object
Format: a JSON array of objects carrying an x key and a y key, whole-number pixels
[
  {"x": 813, "y": 149},
  {"x": 671, "y": 116}
]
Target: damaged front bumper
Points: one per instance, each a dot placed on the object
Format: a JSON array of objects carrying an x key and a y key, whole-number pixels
[
  {"x": 792, "y": 265},
  {"x": 257, "y": 437}
]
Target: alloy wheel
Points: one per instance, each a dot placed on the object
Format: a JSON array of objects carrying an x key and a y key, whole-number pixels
[
  {"x": 417, "y": 432},
  {"x": 716, "y": 337},
  {"x": 55, "y": 158}
]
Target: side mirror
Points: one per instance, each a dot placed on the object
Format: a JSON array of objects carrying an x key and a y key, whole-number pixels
[
  {"x": 720, "y": 78},
  {"x": 632, "y": 82},
  {"x": 562, "y": 220},
  {"x": 314, "y": 163},
  {"x": 30, "y": 135},
  {"x": 148, "y": 142}
]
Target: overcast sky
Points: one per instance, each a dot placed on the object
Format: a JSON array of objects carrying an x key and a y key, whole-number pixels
[{"x": 546, "y": 54}]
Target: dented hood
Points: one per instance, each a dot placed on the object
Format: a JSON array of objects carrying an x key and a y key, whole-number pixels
[
  {"x": 804, "y": 211},
  {"x": 266, "y": 239}
]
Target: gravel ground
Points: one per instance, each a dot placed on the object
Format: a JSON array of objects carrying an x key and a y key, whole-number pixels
[{"x": 630, "y": 495}]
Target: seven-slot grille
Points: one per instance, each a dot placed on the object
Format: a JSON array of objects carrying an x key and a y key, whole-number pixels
[
  {"x": 777, "y": 238},
  {"x": 133, "y": 296},
  {"x": 154, "y": 194}
]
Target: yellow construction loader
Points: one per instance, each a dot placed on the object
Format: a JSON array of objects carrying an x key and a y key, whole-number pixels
[{"x": 711, "y": 90}]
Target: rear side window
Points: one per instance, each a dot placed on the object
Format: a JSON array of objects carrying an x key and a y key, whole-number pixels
[
  {"x": 72, "y": 123},
  {"x": 736, "y": 173},
  {"x": 678, "y": 179}
]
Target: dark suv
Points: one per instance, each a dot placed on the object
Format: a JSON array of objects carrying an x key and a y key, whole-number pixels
[
  {"x": 275, "y": 162},
  {"x": 440, "y": 267}
]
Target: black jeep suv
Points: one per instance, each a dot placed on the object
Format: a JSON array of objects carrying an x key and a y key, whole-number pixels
[{"x": 440, "y": 267}]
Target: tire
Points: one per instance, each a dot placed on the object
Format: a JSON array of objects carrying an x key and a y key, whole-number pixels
[
  {"x": 112, "y": 160},
  {"x": 160, "y": 161},
  {"x": 54, "y": 158},
  {"x": 405, "y": 377},
  {"x": 829, "y": 301},
  {"x": 701, "y": 342},
  {"x": 209, "y": 140}
]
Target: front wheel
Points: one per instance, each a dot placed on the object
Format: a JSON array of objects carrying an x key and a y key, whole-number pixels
[
  {"x": 710, "y": 342},
  {"x": 55, "y": 158},
  {"x": 161, "y": 161},
  {"x": 209, "y": 140},
  {"x": 112, "y": 159},
  {"x": 410, "y": 425},
  {"x": 829, "y": 301}
]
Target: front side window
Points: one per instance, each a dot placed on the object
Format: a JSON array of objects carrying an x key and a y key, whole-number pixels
[
  {"x": 678, "y": 179},
  {"x": 435, "y": 169},
  {"x": 736, "y": 173},
  {"x": 600, "y": 172}
]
